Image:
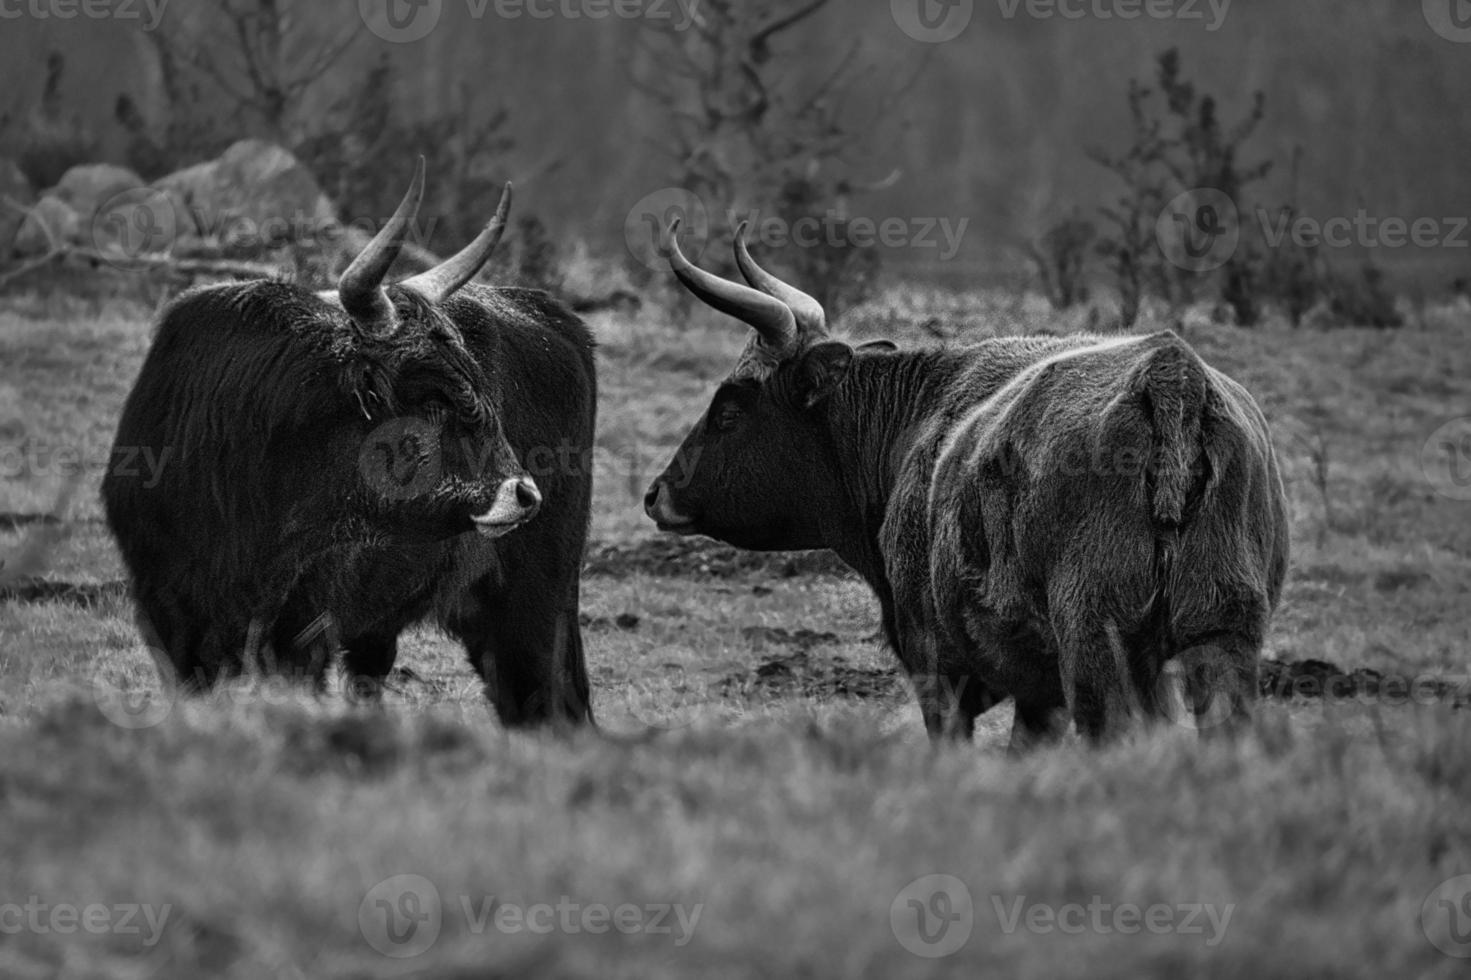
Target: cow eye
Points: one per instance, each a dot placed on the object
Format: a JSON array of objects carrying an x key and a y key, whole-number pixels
[
  {"x": 732, "y": 404},
  {"x": 728, "y": 415}
]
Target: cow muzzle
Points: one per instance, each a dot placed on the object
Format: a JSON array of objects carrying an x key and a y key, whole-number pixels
[
  {"x": 661, "y": 510},
  {"x": 516, "y": 502}
]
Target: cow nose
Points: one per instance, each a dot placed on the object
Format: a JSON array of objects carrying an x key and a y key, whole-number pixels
[
  {"x": 516, "y": 501},
  {"x": 661, "y": 510},
  {"x": 528, "y": 495}
]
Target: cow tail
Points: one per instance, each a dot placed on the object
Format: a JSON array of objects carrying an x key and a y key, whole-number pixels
[{"x": 1171, "y": 385}]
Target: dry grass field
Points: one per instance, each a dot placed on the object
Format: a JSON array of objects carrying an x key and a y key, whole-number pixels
[{"x": 775, "y": 823}]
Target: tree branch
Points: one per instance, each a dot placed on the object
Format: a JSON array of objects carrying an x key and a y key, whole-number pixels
[{"x": 759, "y": 44}]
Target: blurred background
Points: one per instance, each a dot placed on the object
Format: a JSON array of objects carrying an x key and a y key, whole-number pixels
[{"x": 995, "y": 131}]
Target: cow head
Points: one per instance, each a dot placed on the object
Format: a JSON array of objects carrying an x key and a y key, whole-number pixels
[
  {"x": 431, "y": 454},
  {"x": 758, "y": 469}
]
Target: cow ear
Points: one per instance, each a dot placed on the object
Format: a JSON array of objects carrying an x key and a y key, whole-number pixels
[
  {"x": 878, "y": 345},
  {"x": 822, "y": 367}
]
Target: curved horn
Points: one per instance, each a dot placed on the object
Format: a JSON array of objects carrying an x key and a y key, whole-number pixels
[
  {"x": 770, "y": 318},
  {"x": 807, "y": 311},
  {"x": 445, "y": 279},
  {"x": 361, "y": 286}
]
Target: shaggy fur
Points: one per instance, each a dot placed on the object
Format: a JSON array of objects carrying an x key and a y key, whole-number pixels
[
  {"x": 1049, "y": 519},
  {"x": 265, "y": 534}
]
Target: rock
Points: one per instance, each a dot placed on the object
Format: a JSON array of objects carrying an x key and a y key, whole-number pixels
[
  {"x": 15, "y": 190},
  {"x": 89, "y": 187},
  {"x": 55, "y": 215},
  {"x": 180, "y": 189},
  {"x": 255, "y": 197}
]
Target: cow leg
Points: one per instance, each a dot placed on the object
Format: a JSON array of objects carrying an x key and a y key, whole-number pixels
[
  {"x": 1037, "y": 724},
  {"x": 973, "y": 698},
  {"x": 933, "y": 690},
  {"x": 934, "y": 707},
  {"x": 367, "y": 660},
  {"x": 1096, "y": 679},
  {"x": 200, "y": 657},
  {"x": 527, "y": 648},
  {"x": 168, "y": 639},
  {"x": 303, "y": 643},
  {"x": 1221, "y": 683},
  {"x": 951, "y": 703}
]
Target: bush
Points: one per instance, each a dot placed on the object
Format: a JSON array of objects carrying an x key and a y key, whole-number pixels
[
  {"x": 1291, "y": 277},
  {"x": 49, "y": 144},
  {"x": 1061, "y": 256},
  {"x": 1183, "y": 147},
  {"x": 1362, "y": 300},
  {"x": 1186, "y": 147},
  {"x": 839, "y": 274},
  {"x": 462, "y": 151},
  {"x": 531, "y": 258}
]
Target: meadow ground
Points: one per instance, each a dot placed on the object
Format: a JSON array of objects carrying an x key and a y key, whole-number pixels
[{"x": 787, "y": 819}]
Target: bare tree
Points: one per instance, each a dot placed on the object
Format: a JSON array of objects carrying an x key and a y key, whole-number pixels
[
  {"x": 262, "y": 54},
  {"x": 1183, "y": 148},
  {"x": 745, "y": 124}
]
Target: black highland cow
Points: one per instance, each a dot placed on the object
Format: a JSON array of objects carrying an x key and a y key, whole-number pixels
[
  {"x": 1052, "y": 519},
  {"x": 342, "y": 465}
]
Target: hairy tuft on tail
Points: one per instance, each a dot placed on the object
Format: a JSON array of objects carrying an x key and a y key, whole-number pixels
[{"x": 1171, "y": 385}]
